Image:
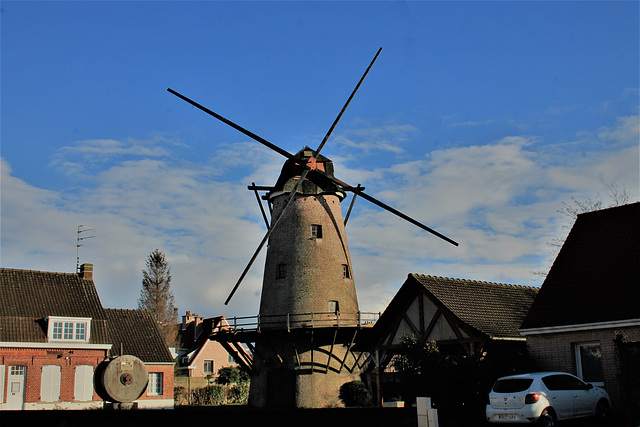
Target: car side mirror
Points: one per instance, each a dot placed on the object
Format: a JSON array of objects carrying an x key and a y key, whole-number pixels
[{"x": 589, "y": 386}]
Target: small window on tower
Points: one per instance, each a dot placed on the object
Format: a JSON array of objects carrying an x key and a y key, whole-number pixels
[
  {"x": 281, "y": 271},
  {"x": 345, "y": 271},
  {"x": 334, "y": 307},
  {"x": 316, "y": 231}
]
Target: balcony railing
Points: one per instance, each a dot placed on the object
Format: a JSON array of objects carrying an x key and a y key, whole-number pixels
[{"x": 299, "y": 321}]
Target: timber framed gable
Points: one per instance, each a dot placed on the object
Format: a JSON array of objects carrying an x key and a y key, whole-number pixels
[{"x": 459, "y": 315}]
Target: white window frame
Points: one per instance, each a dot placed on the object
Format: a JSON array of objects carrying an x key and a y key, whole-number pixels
[
  {"x": 83, "y": 383},
  {"x": 204, "y": 366},
  {"x": 68, "y": 329},
  {"x": 578, "y": 356},
  {"x": 156, "y": 384},
  {"x": 50, "y": 383}
]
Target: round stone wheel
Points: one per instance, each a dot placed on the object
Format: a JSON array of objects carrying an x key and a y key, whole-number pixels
[{"x": 122, "y": 379}]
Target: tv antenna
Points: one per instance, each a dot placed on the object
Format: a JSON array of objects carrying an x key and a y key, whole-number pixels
[{"x": 81, "y": 229}]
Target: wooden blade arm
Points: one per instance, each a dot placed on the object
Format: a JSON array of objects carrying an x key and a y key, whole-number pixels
[
  {"x": 266, "y": 236},
  {"x": 233, "y": 125}
]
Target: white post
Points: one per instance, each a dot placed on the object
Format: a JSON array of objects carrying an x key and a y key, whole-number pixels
[{"x": 427, "y": 416}]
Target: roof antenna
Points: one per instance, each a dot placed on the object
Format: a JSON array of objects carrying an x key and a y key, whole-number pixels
[{"x": 81, "y": 229}]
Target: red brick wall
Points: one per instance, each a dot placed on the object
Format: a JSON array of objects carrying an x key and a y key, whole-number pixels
[
  {"x": 167, "y": 381},
  {"x": 556, "y": 352},
  {"x": 35, "y": 359}
]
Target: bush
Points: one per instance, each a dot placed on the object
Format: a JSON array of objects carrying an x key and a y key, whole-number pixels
[
  {"x": 354, "y": 393},
  {"x": 210, "y": 395},
  {"x": 238, "y": 394},
  {"x": 180, "y": 396},
  {"x": 232, "y": 375}
]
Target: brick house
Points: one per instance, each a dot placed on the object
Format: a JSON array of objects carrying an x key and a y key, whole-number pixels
[
  {"x": 53, "y": 333},
  {"x": 199, "y": 358},
  {"x": 588, "y": 308}
]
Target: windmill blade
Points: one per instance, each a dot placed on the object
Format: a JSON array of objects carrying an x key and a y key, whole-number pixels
[
  {"x": 233, "y": 125},
  {"x": 359, "y": 192},
  {"x": 401, "y": 215},
  {"x": 353, "y": 201},
  {"x": 335, "y": 122},
  {"x": 266, "y": 236}
]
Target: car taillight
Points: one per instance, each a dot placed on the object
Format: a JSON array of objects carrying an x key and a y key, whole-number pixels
[{"x": 531, "y": 398}]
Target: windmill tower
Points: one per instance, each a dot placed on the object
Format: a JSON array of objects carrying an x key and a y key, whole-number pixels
[{"x": 304, "y": 339}]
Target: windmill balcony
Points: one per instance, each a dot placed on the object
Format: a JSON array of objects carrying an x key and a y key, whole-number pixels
[{"x": 291, "y": 321}]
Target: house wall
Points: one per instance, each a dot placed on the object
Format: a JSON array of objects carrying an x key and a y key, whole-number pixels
[
  {"x": 212, "y": 350},
  {"x": 556, "y": 352},
  {"x": 34, "y": 360},
  {"x": 164, "y": 401}
]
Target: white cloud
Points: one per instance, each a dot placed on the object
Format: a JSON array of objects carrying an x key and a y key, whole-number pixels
[{"x": 498, "y": 200}]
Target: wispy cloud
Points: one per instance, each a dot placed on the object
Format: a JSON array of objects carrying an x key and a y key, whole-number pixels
[
  {"x": 81, "y": 155},
  {"x": 385, "y": 138},
  {"x": 498, "y": 200}
]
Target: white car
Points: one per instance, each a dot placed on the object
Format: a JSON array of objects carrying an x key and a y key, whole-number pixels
[{"x": 545, "y": 397}]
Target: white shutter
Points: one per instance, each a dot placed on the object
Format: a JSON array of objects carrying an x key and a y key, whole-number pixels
[
  {"x": 50, "y": 384},
  {"x": 83, "y": 388},
  {"x": 2, "y": 369}
]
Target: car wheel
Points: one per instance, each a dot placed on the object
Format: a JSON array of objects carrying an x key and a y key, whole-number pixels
[
  {"x": 547, "y": 419},
  {"x": 603, "y": 411}
]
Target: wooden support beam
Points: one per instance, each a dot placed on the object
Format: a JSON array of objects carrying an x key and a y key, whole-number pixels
[
  {"x": 346, "y": 354},
  {"x": 432, "y": 323},
  {"x": 248, "y": 367},
  {"x": 333, "y": 343}
]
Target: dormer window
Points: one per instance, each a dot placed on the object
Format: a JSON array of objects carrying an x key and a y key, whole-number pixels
[{"x": 74, "y": 329}]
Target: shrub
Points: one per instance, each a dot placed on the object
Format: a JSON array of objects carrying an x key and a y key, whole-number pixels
[
  {"x": 232, "y": 375},
  {"x": 238, "y": 394},
  {"x": 210, "y": 395},
  {"x": 180, "y": 396},
  {"x": 354, "y": 393}
]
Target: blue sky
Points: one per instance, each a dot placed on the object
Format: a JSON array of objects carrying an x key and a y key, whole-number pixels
[{"x": 478, "y": 119}]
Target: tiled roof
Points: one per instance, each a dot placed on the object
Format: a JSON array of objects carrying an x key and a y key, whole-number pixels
[
  {"x": 494, "y": 309},
  {"x": 596, "y": 276},
  {"x": 138, "y": 334},
  {"x": 27, "y": 297}
]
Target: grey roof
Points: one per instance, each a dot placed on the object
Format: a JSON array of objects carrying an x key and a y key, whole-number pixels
[
  {"x": 138, "y": 334},
  {"x": 596, "y": 276},
  {"x": 495, "y": 309},
  {"x": 27, "y": 297},
  {"x": 491, "y": 309}
]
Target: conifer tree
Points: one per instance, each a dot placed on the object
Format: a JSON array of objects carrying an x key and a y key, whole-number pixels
[{"x": 156, "y": 295}]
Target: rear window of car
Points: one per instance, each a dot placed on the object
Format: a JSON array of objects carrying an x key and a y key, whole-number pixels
[{"x": 512, "y": 385}]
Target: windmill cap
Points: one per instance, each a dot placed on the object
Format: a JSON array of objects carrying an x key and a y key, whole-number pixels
[{"x": 313, "y": 184}]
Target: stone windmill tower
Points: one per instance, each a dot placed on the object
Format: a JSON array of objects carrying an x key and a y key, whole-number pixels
[{"x": 304, "y": 340}]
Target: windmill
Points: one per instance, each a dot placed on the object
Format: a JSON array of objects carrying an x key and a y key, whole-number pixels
[{"x": 304, "y": 338}]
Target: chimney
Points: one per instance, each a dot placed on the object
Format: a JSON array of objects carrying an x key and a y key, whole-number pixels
[{"x": 86, "y": 271}]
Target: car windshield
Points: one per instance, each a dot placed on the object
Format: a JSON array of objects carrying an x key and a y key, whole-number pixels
[{"x": 511, "y": 385}]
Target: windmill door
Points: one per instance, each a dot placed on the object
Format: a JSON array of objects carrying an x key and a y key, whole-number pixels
[
  {"x": 15, "y": 385},
  {"x": 281, "y": 388}
]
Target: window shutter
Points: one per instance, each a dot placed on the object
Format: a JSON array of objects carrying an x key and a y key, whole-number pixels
[
  {"x": 83, "y": 387},
  {"x": 2, "y": 368},
  {"x": 50, "y": 383}
]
